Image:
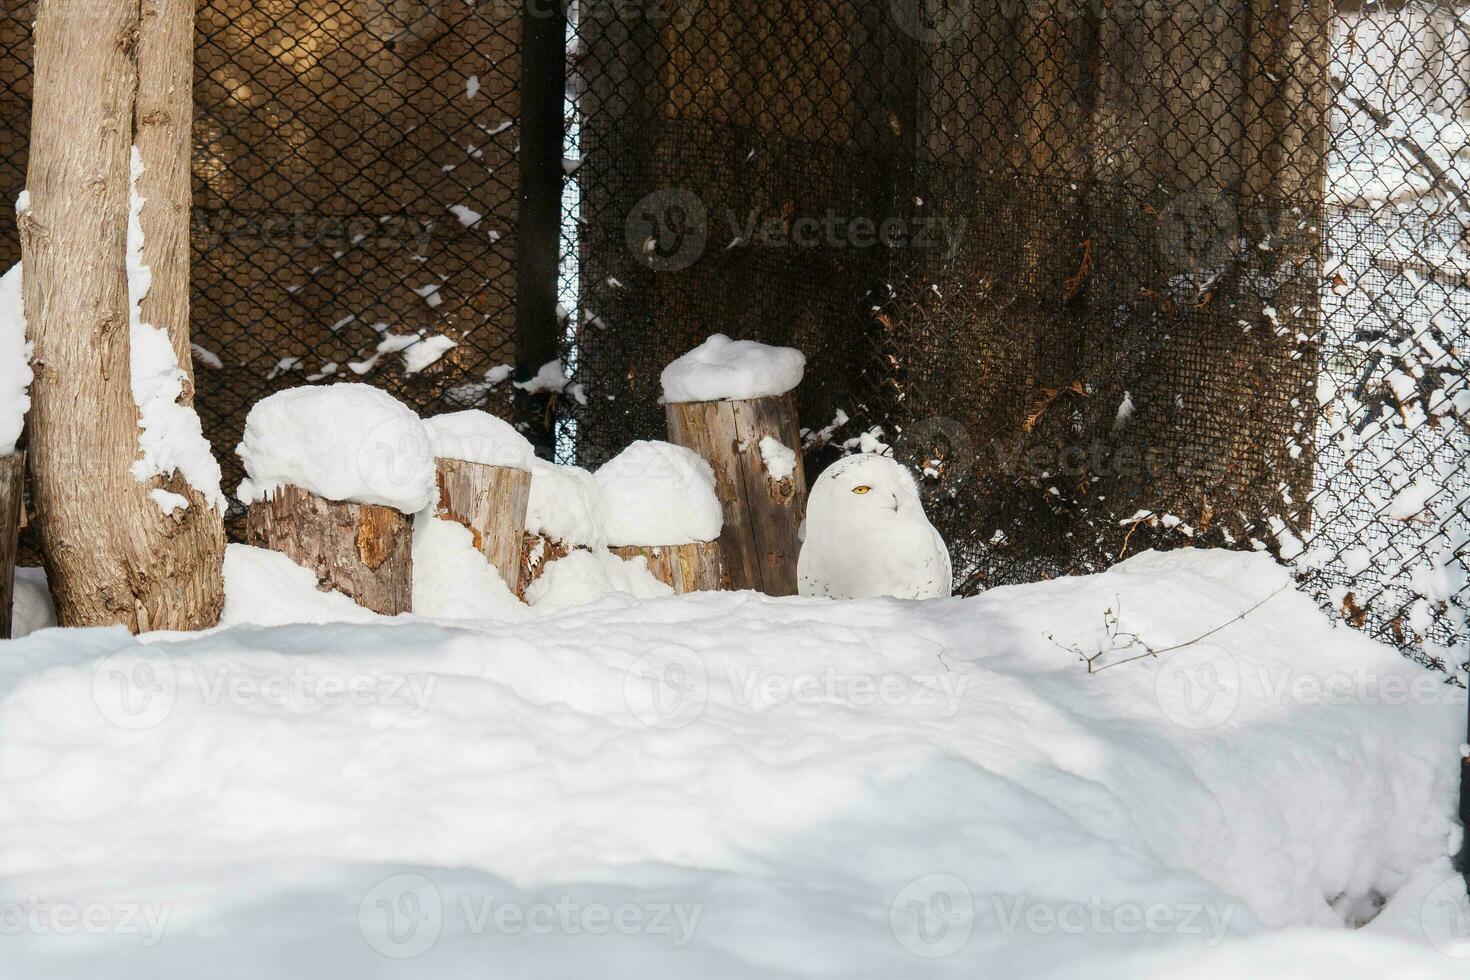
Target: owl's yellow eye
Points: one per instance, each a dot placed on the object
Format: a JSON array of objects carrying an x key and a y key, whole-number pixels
[{"x": 861, "y": 490}]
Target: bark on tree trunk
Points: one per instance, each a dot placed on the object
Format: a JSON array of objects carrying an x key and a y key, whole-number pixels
[
  {"x": 491, "y": 502},
  {"x": 12, "y": 468},
  {"x": 758, "y": 544},
  {"x": 109, "y": 74},
  {"x": 685, "y": 567},
  {"x": 361, "y": 550}
]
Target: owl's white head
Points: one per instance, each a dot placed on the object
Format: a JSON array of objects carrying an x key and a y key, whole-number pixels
[{"x": 865, "y": 484}]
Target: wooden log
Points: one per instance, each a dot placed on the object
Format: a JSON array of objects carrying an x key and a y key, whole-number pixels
[
  {"x": 759, "y": 545},
  {"x": 692, "y": 567},
  {"x": 12, "y": 468},
  {"x": 361, "y": 550},
  {"x": 491, "y": 502},
  {"x": 538, "y": 551}
]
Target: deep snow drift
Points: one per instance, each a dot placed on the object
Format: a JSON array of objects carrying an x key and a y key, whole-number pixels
[{"x": 726, "y": 784}]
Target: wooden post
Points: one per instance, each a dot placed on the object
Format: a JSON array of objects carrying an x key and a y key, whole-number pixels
[
  {"x": 758, "y": 545},
  {"x": 538, "y": 551},
  {"x": 361, "y": 550},
  {"x": 692, "y": 567},
  {"x": 11, "y": 469},
  {"x": 491, "y": 502}
]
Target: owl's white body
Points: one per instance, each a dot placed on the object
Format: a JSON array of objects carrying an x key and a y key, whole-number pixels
[{"x": 867, "y": 535}]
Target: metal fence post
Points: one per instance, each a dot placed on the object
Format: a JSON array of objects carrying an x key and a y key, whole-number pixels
[{"x": 538, "y": 227}]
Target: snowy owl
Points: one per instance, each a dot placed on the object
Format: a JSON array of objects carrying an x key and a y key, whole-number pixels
[{"x": 866, "y": 535}]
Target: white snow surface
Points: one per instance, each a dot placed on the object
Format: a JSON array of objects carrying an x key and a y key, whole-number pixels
[
  {"x": 349, "y": 442},
  {"x": 170, "y": 435},
  {"x": 584, "y": 577},
  {"x": 727, "y": 785},
  {"x": 453, "y": 580},
  {"x": 30, "y": 608},
  {"x": 15, "y": 361},
  {"x": 779, "y": 458},
  {"x": 265, "y": 588},
  {"x": 658, "y": 493},
  {"x": 721, "y": 368},
  {"x": 478, "y": 437},
  {"x": 566, "y": 504}
]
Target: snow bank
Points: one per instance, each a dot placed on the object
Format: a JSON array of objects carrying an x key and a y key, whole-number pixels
[
  {"x": 265, "y": 588},
  {"x": 347, "y": 442},
  {"x": 659, "y": 493},
  {"x": 452, "y": 579},
  {"x": 478, "y": 437},
  {"x": 583, "y": 577},
  {"x": 170, "y": 435},
  {"x": 727, "y": 785},
  {"x": 566, "y": 504},
  {"x": 721, "y": 368},
  {"x": 15, "y": 361}
]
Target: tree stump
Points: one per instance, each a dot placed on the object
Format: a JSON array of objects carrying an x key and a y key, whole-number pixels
[
  {"x": 692, "y": 567},
  {"x": 491, "y": 502},
  {"x": 361, "y": 550},
  {"x": 538, "y": 551},
  {"x": 12, "y": 469},
  {"x": 759, "y": 543}
]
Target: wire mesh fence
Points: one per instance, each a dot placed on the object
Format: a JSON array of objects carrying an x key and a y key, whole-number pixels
[{"x": 1113, "y": 274}]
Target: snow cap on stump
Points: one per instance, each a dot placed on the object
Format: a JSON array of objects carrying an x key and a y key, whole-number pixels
[
  {"x": 478, "y": 437},
  {"x": 15, "y": 361},
  {"x": 566, "y": 505},
  {"x": 722, "y": 369},
  {"x": 659, "y": 494},
  {"x": 344, "y": 442}
]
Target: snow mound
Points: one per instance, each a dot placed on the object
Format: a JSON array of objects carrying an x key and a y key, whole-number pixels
[
  {"x": 780, "y": 459},
  {"x": 658, "y": 493},
  {"x": 721, "y": 368},
  {"x": 566, "y": 505},
  {"x": 265, "y": 588},
  {"x": 478, "y": 437},
  {"x": 350, "y": 442},
  {"x": 583, "y": 577},
  {"x": 728, "y": 785},
  {"x": 15, "y": 361},
  {"x": 452, "y": 579}
]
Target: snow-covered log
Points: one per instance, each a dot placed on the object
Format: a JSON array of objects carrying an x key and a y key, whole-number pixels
[
  {"x": 364, "y": 551},
  {"x": 491, "y": 502},
  {"x": 11, "y": 469},
  {"x": 685, "y": 568},
  {"x": 762, "y": 509}
]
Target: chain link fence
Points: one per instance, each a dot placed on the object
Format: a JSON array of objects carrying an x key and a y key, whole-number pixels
[{"x": 1113, "y": 274}]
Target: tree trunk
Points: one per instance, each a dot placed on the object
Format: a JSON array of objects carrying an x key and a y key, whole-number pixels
[
  {"x": 685, "y": 567},
  {"x": 491, "y": 502},
  {"x": 12, "y": 468},
  {"x": 361, "y": 550},
  {"x": 109, "y": 74},
  {"x": 758, "y": 544}
]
